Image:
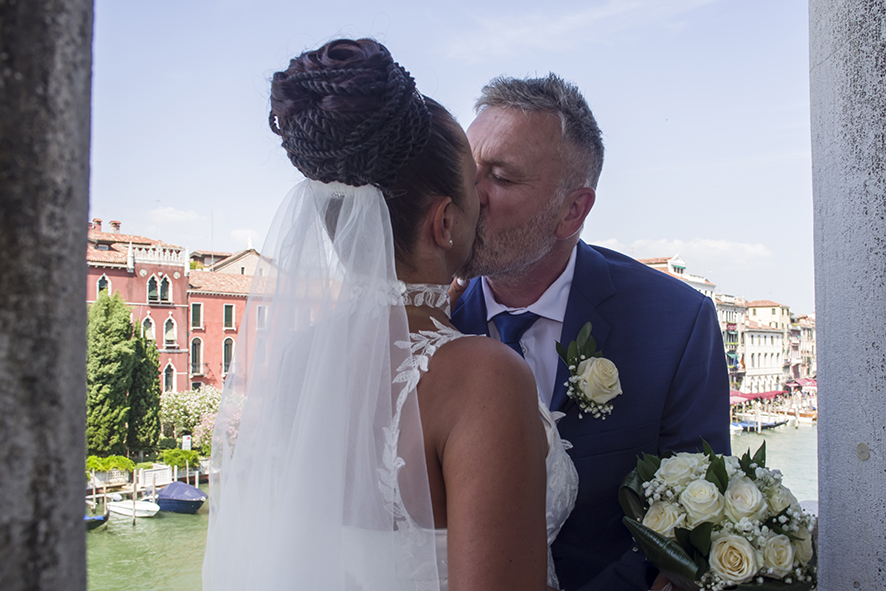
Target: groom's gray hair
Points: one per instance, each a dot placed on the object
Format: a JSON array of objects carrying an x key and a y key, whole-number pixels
[{"x": 581, "y": 145}]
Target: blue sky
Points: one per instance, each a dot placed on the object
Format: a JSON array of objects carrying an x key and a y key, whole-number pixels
[{"x": 704, "y": 107}]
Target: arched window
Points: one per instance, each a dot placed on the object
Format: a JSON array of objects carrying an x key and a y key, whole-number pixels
[
  {"x": 169, "y": 379},
  {"x": 148, "y": 328},
  {"x": 164, "y": 290},
  {"x": 169, "y": 333},
  {"x": 197, "y": 356},
  {"x": 153, "y": 292},
  {"x": 753, "y": 359},
  {"x": 228, "y": 354},
  {"x": 102, "y": 284}
]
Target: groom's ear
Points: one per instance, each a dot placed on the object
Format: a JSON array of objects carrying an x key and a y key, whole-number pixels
[
  {"x": 442, "y": 222},
  {"x": 576, "y": 208}
]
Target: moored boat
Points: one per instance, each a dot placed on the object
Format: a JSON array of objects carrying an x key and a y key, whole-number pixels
[
  {"x": 179, "y": 497},
  {"x": 142, "y": 508},
  {"x": 95, "y": 521}
]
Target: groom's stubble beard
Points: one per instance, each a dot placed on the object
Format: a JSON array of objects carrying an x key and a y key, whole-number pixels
[{"x": 513, "y": 251}]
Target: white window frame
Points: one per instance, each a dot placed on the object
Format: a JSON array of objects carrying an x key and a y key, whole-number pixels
[
  {"x": 233, "y": 317},
  {"x": 198, "y": 363}
]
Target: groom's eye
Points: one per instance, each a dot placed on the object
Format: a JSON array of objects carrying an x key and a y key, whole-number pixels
[{"x": 500, "y": 179}]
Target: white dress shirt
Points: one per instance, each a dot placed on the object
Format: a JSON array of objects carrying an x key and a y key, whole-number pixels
[{"x": 539, "y": 342}]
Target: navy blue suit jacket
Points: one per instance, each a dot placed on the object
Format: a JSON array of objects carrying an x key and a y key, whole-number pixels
[{"x": 664, "y": 338}]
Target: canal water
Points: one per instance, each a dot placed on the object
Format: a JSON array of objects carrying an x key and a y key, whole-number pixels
[{"x": 165, "y": 552}]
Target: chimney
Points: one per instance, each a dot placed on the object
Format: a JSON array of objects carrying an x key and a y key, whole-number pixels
[
  {"x": 115, "y": 226},
  {"x": 97, "y": 224}
]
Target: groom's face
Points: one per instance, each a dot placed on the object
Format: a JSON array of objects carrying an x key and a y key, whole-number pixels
[{"x": 518, "y": 168}]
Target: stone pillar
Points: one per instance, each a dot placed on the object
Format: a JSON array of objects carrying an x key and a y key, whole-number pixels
[
  {"x": 45, "y": 76},
  {"x": 848, "y": 105}
]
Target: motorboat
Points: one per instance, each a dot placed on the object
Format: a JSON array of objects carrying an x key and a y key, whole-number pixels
[{"x": 141, "y": 508}]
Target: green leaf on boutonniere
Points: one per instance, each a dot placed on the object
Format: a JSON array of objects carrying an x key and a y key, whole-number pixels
[
  {"x": 572, "y": 354},
  {"x": 563, "y": 353},
  {"x": 583, "y": 336},
  {"x": 717, "y": 473}
]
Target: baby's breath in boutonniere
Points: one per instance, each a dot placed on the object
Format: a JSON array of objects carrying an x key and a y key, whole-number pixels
[{"x": 593, "y": 379}]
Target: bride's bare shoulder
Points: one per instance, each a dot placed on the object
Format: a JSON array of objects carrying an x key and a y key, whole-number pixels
[{"x": 479, "y": 372}]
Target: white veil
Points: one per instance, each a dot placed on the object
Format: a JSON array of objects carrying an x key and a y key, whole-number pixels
[{"x": 317, "y": 453}]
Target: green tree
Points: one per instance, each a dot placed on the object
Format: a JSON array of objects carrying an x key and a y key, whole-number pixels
[
  {"x": 110, "y": 356},
  {"x": 144, "y": 398}
]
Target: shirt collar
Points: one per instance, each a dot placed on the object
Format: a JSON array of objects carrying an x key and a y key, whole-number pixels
[{"x": 551, "y": 304}]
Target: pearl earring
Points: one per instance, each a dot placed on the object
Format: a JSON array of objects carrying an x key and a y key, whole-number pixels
[{"x": 450, "y": 242}]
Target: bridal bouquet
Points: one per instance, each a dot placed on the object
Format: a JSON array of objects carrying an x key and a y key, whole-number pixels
[{"x": 714, "y": 522}]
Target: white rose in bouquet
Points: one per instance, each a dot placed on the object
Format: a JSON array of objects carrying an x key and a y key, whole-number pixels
[
  {"x": 677, "y": 470},
  {"x": 663, "y": 518},
  {"x": 781, "y": 497},
  {"x": 733, "y": 558},
  {"x": 703, "y": 502},
  {"x": 744, "y": 499},
  {"x": 600, "y": 379},
  {"x": 803, "y": 546},
  {"x": 778, "y": 555}
]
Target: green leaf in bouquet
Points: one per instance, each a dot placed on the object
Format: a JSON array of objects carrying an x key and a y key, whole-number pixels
[
  {"x": 666, "y": 554},
  {"x": 583, "y": 335},
  {"x": 562, "y": 352},
  {"x": 631, "y": 496},
  {"x": 700, "y": 538},
  {"x": 760, "y": 456},
  {"x": 591, "y": 348},
  {"x": 717, "y": 473},
  {"x": 744, "y": 463},
  {"x": 647, "y": 466},
  {"x": 708, "y": 450}
]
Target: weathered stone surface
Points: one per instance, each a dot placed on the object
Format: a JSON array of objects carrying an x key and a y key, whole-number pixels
[
  {"x": 848, "y": 77},
  {"x": 45, "y": 75}
]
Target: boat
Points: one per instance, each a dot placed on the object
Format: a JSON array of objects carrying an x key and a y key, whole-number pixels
[
  {"x": 179, "y": 497},
  {"x": 752, "y": 425},
  {"x": 95, "y": 521},
  {"x": 142, "y": 508}
]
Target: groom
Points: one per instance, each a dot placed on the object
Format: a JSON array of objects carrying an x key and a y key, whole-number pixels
[{"x": 539, "y": 154}]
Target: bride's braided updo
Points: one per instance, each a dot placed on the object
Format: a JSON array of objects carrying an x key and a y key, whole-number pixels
[{"x": 348, "y": 112}]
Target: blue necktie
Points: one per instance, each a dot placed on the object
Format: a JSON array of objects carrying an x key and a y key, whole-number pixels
[{"x": 512, "y": 326}]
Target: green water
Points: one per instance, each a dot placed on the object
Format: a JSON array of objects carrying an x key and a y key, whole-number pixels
[
  {"x": 165, "y": 552},
  {"x": 792, "y": 450},
  {"x": 160, "y": 553}
]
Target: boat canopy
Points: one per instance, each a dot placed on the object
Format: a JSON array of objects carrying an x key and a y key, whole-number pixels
[{"x": 179, "y": 491}]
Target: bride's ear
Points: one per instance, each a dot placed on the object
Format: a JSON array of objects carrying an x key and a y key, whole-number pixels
[{"x": 442, "y": 220}]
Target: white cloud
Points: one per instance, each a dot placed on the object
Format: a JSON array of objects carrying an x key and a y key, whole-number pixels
[
  {"x": 506, "y": 35},
  {"x": 703, "y": 256},
  {"x": 171, "y": 215}
]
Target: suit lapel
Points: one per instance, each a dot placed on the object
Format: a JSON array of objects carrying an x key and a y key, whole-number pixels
[
  {"x": 591, "y": 286},
  {"x": 469, "y": 315}
]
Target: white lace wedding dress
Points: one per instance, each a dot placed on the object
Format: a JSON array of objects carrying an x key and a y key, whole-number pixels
[{"x": 562, "y": 477}]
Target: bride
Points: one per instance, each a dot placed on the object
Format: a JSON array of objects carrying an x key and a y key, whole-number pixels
[{"x": 363, "y": 442}]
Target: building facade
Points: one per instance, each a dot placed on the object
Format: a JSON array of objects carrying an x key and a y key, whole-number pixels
[{"x": 152, "y": 278}]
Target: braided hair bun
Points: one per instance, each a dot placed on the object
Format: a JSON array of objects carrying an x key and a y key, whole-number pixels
[{"x": 348, "y": 112}]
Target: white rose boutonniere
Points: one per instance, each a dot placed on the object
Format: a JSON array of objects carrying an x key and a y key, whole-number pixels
[{"x": 593, "y": 379}]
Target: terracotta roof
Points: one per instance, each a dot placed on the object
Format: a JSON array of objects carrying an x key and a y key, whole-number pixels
[
  {"x": 212, "y": 253},
  {"x": 655, "y": 261},
  {"x": 754, "y": 325},
  {"x": 96, "y": 236},
  {"x": 223, "y": 283},
  {"x": 765, "y": 304},
  {"x": 118, "y": 246}
]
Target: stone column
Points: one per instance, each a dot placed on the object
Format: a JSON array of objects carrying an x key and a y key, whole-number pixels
[
  {"x": 848, "y": 78},
  {"x": 45, "y": 75}
]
